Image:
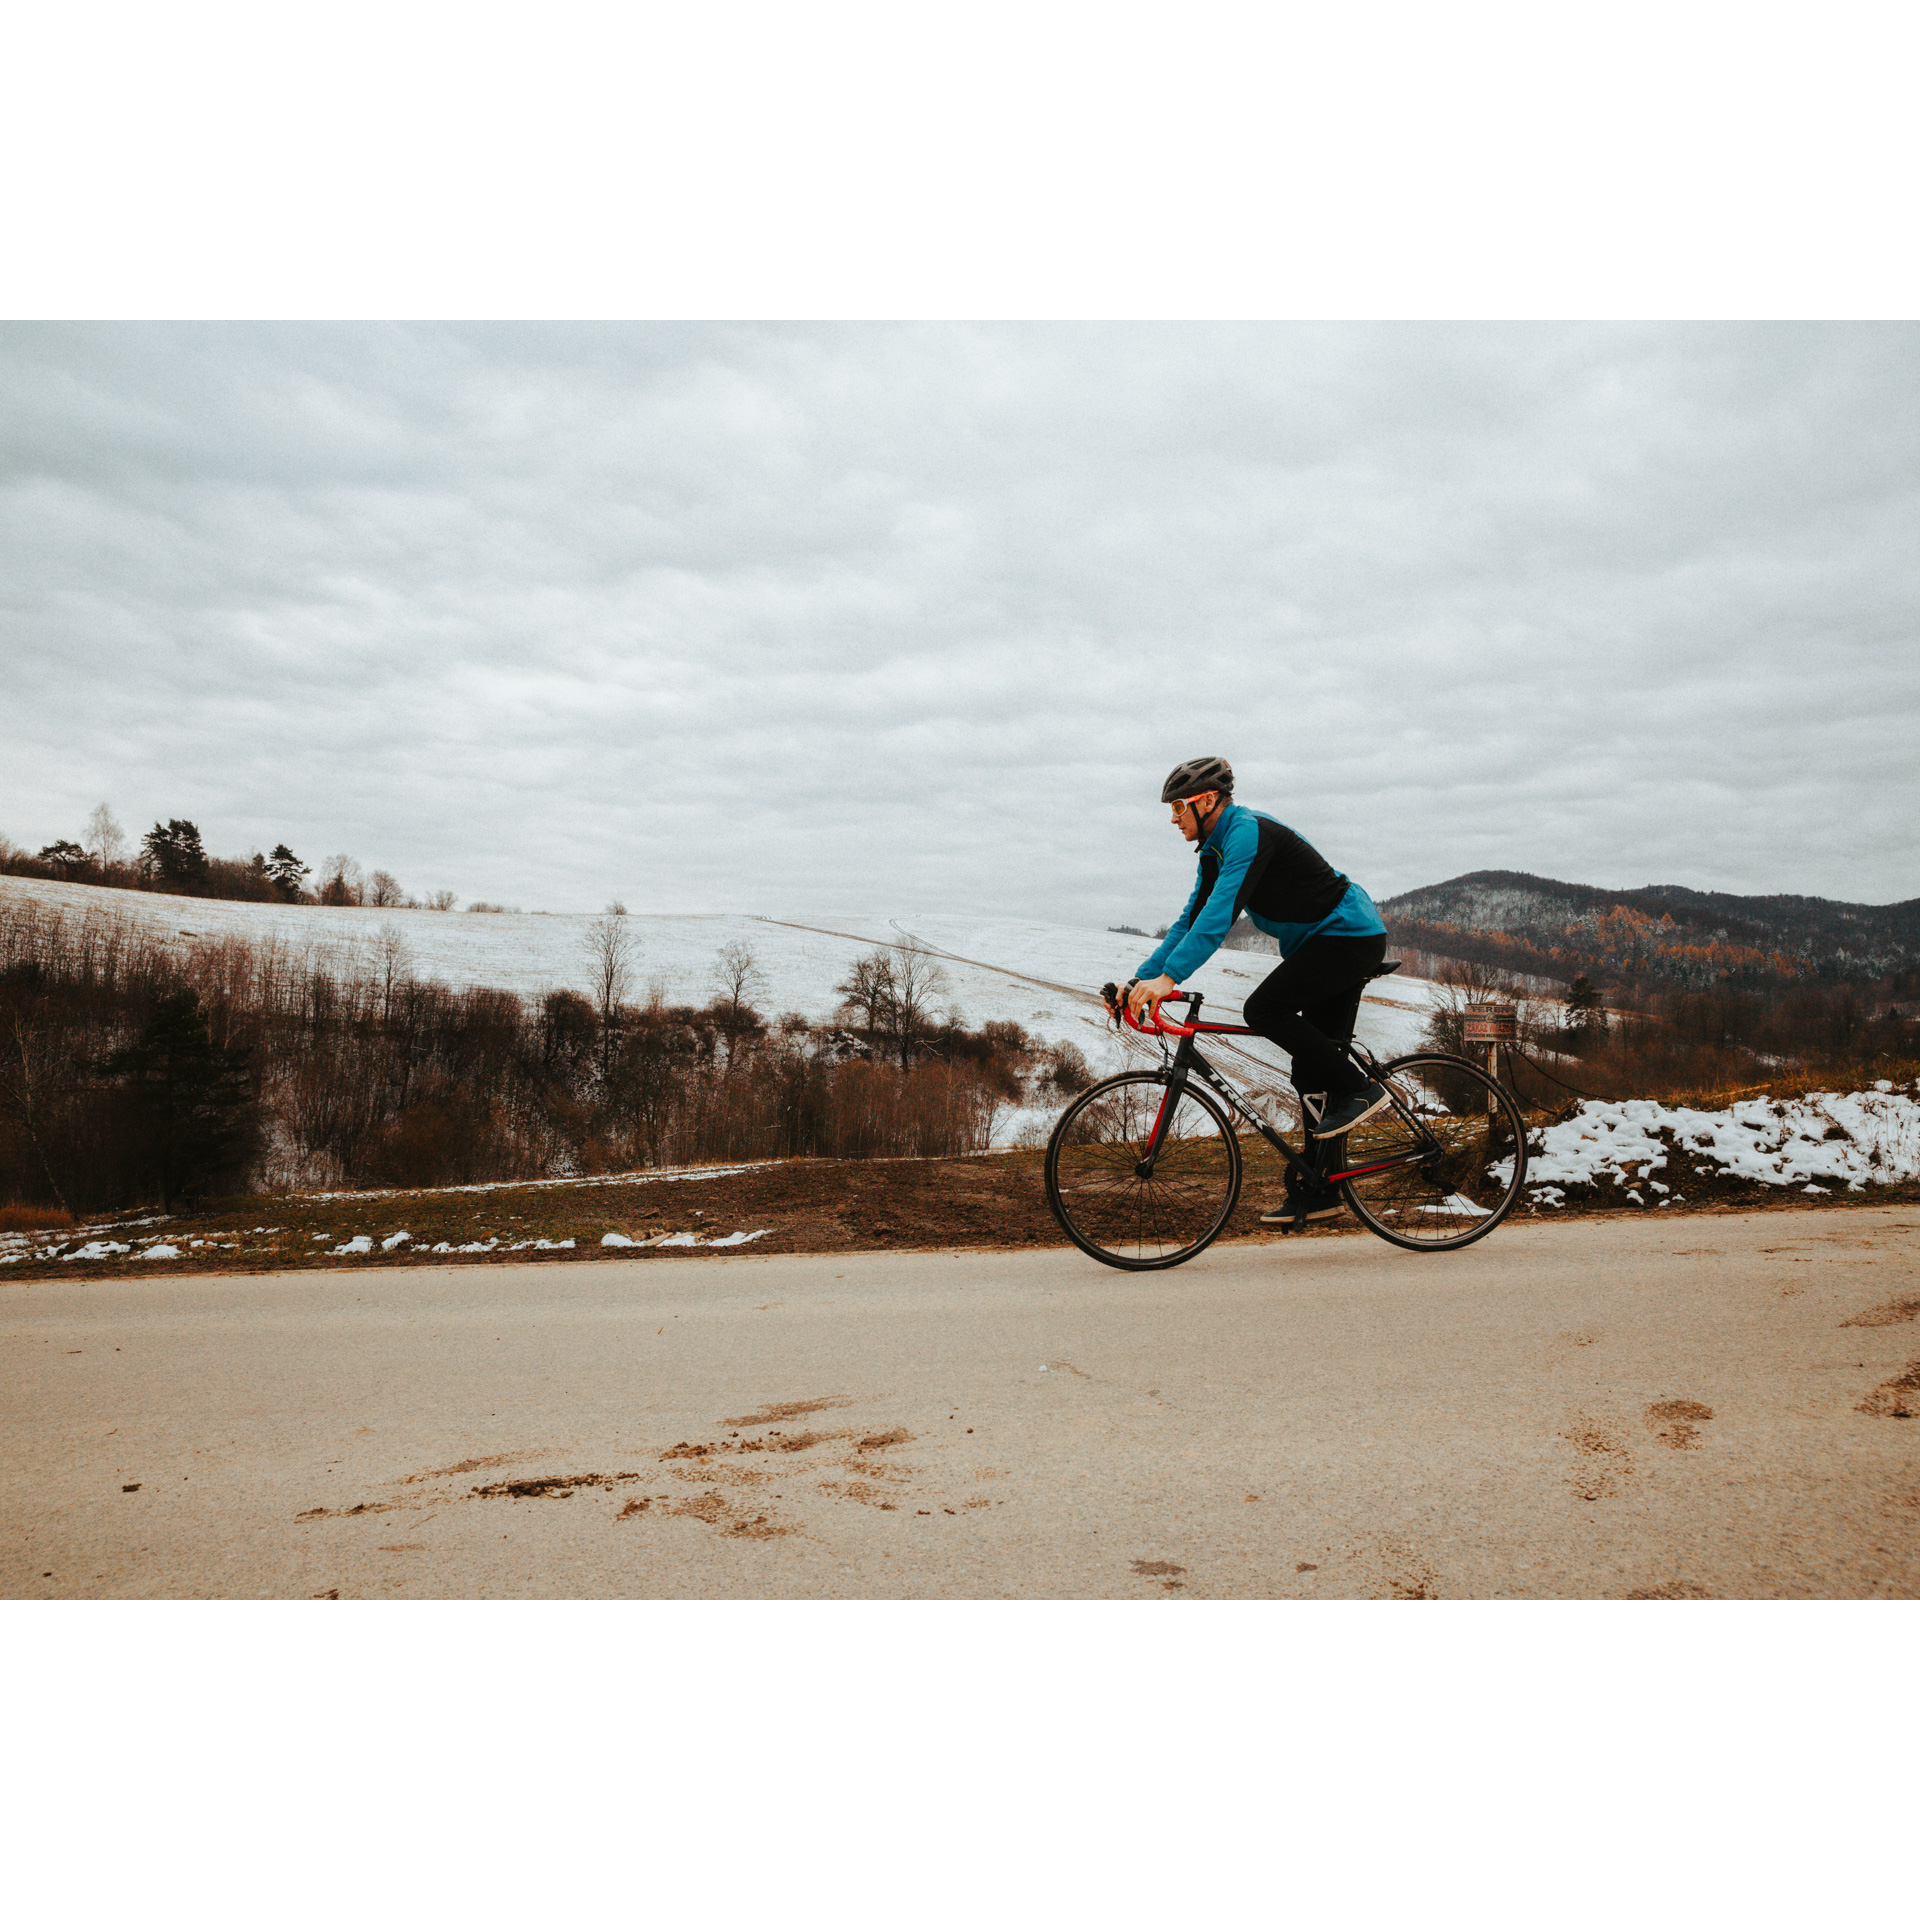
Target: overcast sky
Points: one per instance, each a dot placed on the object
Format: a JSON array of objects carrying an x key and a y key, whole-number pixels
[{"x": 865, "y": 617}]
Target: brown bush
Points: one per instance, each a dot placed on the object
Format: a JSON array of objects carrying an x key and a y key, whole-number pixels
[
  {"x": 18, "y": 1219},
  {"x": 368, "y": 1076}
]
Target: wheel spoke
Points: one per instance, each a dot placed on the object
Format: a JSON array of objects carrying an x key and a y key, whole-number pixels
[
  {"x": 1098, "y": 1193},
  {"x": 1442, "y": 1166}
]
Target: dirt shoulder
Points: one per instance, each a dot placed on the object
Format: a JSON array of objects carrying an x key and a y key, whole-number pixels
[{"x": 794, "y": 1206}]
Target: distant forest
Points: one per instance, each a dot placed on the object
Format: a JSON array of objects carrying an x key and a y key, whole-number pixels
[
  {"x": 171, "y": 858},
  {"x": 1546, "y": 933}
]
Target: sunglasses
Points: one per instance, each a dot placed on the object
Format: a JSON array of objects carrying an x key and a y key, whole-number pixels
[{"x": 1181, "y": 808}]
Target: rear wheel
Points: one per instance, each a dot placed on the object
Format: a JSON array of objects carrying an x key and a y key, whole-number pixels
[
  {"x": 1114, "y": 1211},
  {"x": 1443, "y": 1165}
]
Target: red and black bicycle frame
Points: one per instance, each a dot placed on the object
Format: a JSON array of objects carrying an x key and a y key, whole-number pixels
[{"x": 1188, "y": 1063}]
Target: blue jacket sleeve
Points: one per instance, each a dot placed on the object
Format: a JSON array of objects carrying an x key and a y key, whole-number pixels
[{"x": 1191, "y": 942}]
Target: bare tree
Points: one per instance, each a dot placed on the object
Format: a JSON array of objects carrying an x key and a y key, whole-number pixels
[
  {"x": 27, "y": 1066},
  {"x": 105, "y": 841},
  {"x": 441, "y": 901},
  {"x": 736, "y": 975},
  {"x": 341, "y": 882},
  {"x": 394, "y": 963},
  {"x": 383, "y": 890},
  {"x": 610, "y": 950},
  {"x": 868, "y": 991},
  {"x": 917, "y": 979}
]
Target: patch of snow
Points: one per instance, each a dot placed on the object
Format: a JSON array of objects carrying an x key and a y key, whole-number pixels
[
  {"x": 644, "y": 1178},
  {"x": 161, "y": 1252},
  {"x": 1856, "y": 1139},
  {"x": 617, "y": 1240},
  {"x": 393, "y": 1240},
  {"x": 360, "y": 1243},
  {"x": 97, "y": 1250},
  {"x": 694, "y": 1240},
  {"x": 549, "y": 1246}
]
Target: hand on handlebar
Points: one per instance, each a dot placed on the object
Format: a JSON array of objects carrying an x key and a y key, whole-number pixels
[{"x": 1145, "y": 996}]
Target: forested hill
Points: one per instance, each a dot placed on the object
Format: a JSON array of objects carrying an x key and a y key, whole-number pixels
[{"x": 1555, "y": 929}]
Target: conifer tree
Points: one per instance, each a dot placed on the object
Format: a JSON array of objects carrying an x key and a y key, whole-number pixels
[
  {"x": 174, "y": 855},
  {"x": 1586, "y": 1017},
  {"x": 194, "y": 1099},
  {"x": 66, "y": 856},
  {"x": 287, "y": 872}
]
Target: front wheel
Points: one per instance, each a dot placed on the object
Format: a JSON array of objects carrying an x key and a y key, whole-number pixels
[
  {"x": 1442, "y": 1166},
  {"x": 1111, "y": 1203}
]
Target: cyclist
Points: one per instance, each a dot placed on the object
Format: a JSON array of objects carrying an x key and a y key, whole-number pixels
[{"x": 1332, "y": 941}]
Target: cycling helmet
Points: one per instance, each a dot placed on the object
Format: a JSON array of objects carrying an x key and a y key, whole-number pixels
[{"x": 1209, "y": 774}]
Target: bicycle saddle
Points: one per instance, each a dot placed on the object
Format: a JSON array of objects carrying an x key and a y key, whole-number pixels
[{"x": 1380, "y": 973}]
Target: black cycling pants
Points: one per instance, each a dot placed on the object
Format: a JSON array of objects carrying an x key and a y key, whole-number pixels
[{"x": 1308, "y": 1005}]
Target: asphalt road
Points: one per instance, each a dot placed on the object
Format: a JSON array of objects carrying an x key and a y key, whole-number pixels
[{"x": 1599, "y": 1408}]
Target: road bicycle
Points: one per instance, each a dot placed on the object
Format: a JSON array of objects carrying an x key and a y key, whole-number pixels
[{"x": 1143, "y": 1169}]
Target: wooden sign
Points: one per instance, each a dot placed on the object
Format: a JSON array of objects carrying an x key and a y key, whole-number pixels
[{"x": 1489, "y": 1025}]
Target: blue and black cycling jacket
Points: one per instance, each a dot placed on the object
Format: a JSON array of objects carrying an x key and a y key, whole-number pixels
[{"x": 1251, "y": 864}]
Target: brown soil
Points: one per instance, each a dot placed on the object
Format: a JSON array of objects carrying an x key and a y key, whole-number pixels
[
  {"x": 553, "y": 1487},
  {"x": 1675, "y": 1423},
  {"x": 786, "y": 1410},
  {"x": 1889, "y": 1314},
  {"x": 799, "y": 1206},
  {"x": 1898, "y": 1397},
  {"x": 1603, "y": 1462}
]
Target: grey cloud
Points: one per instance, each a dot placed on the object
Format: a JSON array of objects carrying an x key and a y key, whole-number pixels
[{"x": 826, "y": 618}]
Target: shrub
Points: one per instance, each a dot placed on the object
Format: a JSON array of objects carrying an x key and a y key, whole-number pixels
[{"x": 18, "y": 1219}]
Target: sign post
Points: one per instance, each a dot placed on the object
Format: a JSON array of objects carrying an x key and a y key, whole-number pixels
[{"x": 1490, "y": 1024}]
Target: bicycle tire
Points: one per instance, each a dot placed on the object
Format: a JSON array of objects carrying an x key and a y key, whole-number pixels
[
  {"x": 1450, "y": 1200},
  {"x": 1101, "y": 1201}
]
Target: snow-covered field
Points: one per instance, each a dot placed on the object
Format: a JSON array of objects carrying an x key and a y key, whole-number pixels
[{"x": 1045, "y": 977}]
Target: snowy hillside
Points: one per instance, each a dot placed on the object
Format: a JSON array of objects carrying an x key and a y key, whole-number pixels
[{"x": 1043, "y": 976}]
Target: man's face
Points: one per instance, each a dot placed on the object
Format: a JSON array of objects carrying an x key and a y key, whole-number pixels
[{"x": 1191, "y": 816}]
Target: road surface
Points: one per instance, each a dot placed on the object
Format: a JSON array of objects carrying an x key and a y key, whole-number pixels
[{"x": 1599, "y": 1408}]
